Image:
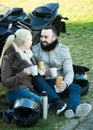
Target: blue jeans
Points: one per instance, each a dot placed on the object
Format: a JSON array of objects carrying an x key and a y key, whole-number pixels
[
  {"x": 21, "y": 93},
  {"x": 41, "y": 85},
  {"x": 72, "y": 92}
]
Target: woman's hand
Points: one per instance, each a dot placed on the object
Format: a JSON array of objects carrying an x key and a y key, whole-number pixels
[{"x": 27, "y": 71}]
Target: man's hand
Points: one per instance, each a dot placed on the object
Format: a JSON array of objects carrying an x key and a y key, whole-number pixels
[
  {"x": 62, "y": 86},
  {"x": 47, "y": 73}
]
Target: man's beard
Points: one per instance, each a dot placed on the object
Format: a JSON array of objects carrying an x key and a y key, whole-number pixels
[{"x": 50, "y": 46}]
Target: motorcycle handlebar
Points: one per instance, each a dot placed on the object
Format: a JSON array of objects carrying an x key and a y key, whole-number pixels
[{"x": 65, "y": 18}]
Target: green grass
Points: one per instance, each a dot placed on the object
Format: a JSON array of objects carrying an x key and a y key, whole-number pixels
[{"x": 79, "y": 39}]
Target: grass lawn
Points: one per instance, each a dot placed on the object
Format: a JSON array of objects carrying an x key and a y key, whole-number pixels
[{"x": 79, "y": 39}]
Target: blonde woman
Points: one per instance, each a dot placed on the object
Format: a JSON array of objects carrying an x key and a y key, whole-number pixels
[{"x": 15, "y": 61}]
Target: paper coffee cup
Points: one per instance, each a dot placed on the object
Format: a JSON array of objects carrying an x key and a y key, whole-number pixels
[
  {"x": 53, "y": 72},
  {"x": 34, "y": 70},
  {"x": 59, "y": 79}
]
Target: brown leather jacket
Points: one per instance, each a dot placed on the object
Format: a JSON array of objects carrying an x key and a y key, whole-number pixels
[{"x": 12, "y": 75}]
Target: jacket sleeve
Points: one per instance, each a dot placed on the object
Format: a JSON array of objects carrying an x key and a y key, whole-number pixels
[
  {"x": 7, "y": 77},
  {"x": 35, "y": 50},
  {"x": 68, "y": 68}
]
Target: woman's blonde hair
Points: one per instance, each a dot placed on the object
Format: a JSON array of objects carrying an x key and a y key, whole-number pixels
[{"x": 19, "y": 36}]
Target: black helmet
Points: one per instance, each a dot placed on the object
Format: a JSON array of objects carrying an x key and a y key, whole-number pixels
[
  {"x": 26, "y": 112},
  {"x": 80, "y": 78}
]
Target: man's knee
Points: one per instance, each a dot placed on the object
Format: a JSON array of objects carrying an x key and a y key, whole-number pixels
[{"x": 74, "y": 87}]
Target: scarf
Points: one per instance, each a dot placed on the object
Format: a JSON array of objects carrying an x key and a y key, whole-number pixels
[{"x": 27, "y": 55}]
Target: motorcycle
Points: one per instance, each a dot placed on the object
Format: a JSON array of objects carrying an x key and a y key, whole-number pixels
[
  {"x": 9, "y": 24},
  {"x": 37, "y": 19}
]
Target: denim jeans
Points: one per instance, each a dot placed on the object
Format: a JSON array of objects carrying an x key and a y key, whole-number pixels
[
  {"x": 72, "y": 92},
  {"x": 21, "y": 93},
  {"x": 41, "y": 85}
]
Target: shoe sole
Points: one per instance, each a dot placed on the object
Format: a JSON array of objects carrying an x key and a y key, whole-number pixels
[{"x": 83, "y": 109}]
